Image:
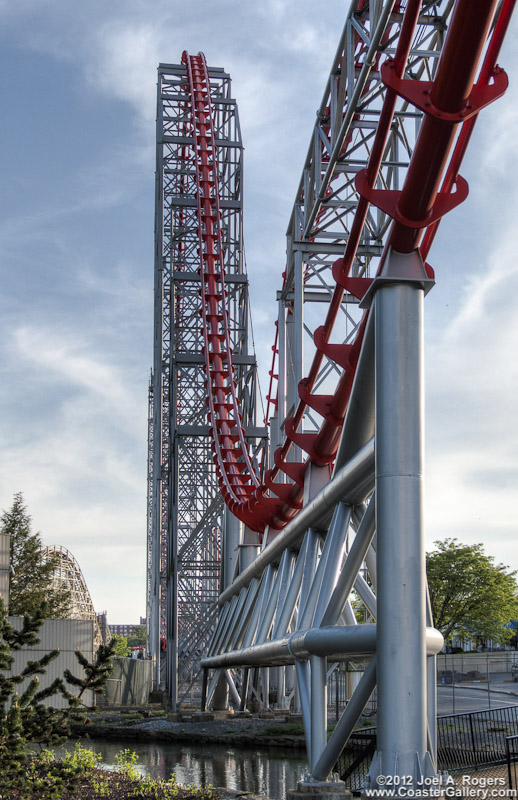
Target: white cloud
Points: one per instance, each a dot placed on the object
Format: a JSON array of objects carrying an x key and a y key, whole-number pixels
[
  {"x": 472, "y": 411},
  {"x": 68, "y": 365},
  {"x": 80, "y": 457},
  {"x": 125, "y": 64}
]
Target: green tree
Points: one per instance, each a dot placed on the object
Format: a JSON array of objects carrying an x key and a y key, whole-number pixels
[
  {"x": 471, "y": 596},
  {"x": 30, "y": 582},
  {"x": 120, "y": 646},
  {"x": 137, "y": 636}
]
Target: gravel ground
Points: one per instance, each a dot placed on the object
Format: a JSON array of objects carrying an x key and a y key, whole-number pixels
[
  {"x": 276, "y": 731},
  {"x": 215, "y": 727}
]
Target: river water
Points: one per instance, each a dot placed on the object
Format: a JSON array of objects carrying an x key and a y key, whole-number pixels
[{"x": 265, "y": 772}]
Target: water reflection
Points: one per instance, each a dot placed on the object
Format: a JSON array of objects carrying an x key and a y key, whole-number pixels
[{"x": 261, "y": 772}]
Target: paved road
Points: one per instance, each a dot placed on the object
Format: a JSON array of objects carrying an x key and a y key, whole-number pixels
[{"x": 456, "y": 699}]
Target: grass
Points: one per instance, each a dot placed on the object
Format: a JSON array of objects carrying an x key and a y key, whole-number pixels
[
  {"x": 284, "y": 729},
  {"x": 100, "y": 784}
]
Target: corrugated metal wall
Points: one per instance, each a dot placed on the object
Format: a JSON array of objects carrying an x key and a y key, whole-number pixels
[
  {"x": 130, "y": 682},
  {"x": 66, "y": 634}
]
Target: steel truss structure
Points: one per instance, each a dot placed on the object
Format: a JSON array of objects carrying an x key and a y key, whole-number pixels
[
  {"x": 334, "y": 528},
  {"x": 198, "y": 223},
  {"x": 67, "y": 574}
]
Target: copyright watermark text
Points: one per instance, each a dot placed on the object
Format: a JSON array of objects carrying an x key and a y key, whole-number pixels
[{"x": 473, "y": 787}]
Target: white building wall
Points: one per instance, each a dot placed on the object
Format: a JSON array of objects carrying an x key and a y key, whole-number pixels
[
  {"x": 68, "y": 635},
  {"x": 4, "y": 568}
]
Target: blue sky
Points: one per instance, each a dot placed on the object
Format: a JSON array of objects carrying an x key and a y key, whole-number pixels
[{"x": 78, "y": 84}]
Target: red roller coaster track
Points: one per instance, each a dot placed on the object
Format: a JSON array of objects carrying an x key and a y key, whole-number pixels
[{"x": 432, "y": 187}]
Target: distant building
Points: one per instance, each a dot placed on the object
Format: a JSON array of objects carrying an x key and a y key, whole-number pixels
[
  {"x": 102, "y": 619},
  {"x": 124, "y": 630}
]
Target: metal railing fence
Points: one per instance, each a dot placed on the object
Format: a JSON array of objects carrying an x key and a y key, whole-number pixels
[
  {"x": 511, "y": 746},
  {"x": 339, "y": 688},
  {"x": 475, "y": 739},
  {"x": 469, "y": 741}
]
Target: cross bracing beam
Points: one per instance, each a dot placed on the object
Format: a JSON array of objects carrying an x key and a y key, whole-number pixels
[{"x": 353, "y": 482}]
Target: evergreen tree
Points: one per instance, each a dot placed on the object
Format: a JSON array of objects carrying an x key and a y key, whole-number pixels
[
  {"x": 25, "y": 718},
  {"x": 30, "y": 582},
  {"x": 120, "y": 645}
]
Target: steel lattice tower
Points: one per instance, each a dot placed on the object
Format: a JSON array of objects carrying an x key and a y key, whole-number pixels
[{"x": 187, "y": 506}]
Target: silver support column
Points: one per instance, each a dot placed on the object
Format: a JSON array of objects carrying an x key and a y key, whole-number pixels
[
  {"x": 401, "y": 607},
  {"x": 302, "y": 672},
  {"x": 318, "y": 666},
  {"x": 172, "y": 583},
  {"x": 298, "y": 332},
  {"x": 281, "y": 388},
  {"x": 231, "y": 540}
]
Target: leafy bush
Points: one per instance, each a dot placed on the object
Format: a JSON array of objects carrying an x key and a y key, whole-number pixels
[
  {"x": 126, "y": 760},
  {"x": 126, "y": 783}
]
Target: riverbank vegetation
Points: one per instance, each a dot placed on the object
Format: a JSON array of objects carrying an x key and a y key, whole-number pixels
[
  {"x": 29, "y": 726},
  {"x": 77, "y": 776}
]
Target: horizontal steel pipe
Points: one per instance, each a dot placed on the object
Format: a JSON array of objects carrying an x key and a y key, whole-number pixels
[
  {"x": 269, "y": 654},
  {"x": 336, "y": 643},
  {"x": 335, "y": 640},
  {"x": 351, "y": 484}
]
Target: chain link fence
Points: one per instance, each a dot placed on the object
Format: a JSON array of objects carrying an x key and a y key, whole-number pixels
[{"x": 469, "y": 667}]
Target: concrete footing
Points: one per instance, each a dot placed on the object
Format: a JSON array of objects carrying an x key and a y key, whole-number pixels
[
  {"x": 193, "y": 716},
  {"x": 223, "y": 714},
  {"x": 319, "y": 790}
]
